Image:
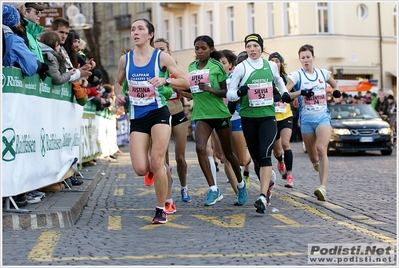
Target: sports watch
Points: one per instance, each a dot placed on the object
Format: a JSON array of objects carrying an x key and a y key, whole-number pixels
[{"x": 167, "y": 81}]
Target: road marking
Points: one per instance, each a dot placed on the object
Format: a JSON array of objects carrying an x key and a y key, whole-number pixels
[
  {"x": 237, "y": 220},
  {"x": 178, "y": 256},
  {"x": 299, "y": 194},
  {"x": 122, "y": 176},
  {"x": 114, "y": 223},
  {"x": 168, "y": 224},
  {"x": 285, "y": 220},
  {"x": 43, "y": 250},
  {"x": 352, "y": 226},
  {"x": 118, "y": 192},
  {"x": 144, "y": 191}
]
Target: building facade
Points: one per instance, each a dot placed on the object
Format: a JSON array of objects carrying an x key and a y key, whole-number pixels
[{"x": 354, "y": 40}]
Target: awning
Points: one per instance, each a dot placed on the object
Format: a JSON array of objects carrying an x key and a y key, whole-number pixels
[
  {"x": 390, "y": 74},
  {"x": 356, "y": 70}
]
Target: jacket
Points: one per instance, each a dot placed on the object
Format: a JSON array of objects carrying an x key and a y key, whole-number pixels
[
  {"x": 57, "y": 71},
  {"x": 32, "y": 32},
  {"x": 17, "y": 54}
]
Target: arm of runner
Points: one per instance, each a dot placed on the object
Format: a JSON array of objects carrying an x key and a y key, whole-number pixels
[
  {"x": 120, "y": 79},
  {"x": 180, "y": 82}
]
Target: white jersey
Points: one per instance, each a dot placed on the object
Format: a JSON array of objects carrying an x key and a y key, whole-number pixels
[{"x": 314, "y": 107}]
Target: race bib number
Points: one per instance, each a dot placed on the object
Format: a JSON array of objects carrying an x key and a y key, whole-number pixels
[
  {"x": 141, "y": 93},
  {"x": 260, "y": 94},
  {"x": 197, "y": 76},
  {"x": 317, "y": 102},
  {"x": 280, "y": 107},
  {"x": 174, "y": 95}
]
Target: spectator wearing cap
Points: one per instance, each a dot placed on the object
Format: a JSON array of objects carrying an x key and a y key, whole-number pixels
[
  {"x": 33, "y": 28},
  {"x": 16, "y": 53}
]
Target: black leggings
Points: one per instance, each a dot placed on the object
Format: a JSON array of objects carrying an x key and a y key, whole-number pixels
[{"x": 260, "y": 135}]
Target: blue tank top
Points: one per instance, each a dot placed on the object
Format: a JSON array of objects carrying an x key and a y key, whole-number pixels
[{"x": 143, "y": 96}]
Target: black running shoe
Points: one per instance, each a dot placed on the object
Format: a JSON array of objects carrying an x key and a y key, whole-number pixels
[
  {"x": 260, "y": 206},
  {"x": 160, "y": 216}
]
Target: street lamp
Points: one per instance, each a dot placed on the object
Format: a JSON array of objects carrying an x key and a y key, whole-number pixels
[{"x": 77, "y": 20}]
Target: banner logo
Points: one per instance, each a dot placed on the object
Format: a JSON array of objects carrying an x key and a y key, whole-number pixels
[{"x": 8, "y": 139}]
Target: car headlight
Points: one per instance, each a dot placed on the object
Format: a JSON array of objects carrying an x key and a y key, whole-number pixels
[
  {"x": 341, "y": 131},
  {"x": 386, "y": 130}
]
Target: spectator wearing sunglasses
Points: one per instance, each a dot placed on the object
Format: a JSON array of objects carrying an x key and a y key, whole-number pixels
[{"x": 33, "y": 28}]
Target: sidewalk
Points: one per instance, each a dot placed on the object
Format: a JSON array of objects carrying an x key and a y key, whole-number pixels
[{"x": 58, "y": 209}]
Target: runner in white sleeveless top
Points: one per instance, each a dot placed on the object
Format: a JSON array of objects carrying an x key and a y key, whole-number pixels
[{"x": 309, "y": 86}]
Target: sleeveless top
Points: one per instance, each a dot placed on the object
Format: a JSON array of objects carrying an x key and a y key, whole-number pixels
[
  {"x": 143, "y": 96},
  {"x": 315, "y": 107}
]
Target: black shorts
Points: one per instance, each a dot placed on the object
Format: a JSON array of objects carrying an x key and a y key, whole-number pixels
[
  {"x": 145, "y": 123},
  {"x": 285, "y": 123},
  {"x": 217, "y": 124},
  {"x": 179, "y": 118}
]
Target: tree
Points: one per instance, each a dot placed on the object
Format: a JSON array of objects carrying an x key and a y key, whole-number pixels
[{"x": 93, "y": 43}]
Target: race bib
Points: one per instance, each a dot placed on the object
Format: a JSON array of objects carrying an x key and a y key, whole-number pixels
[
  {"x": 197, "y": 76},
  {"x": 280, "y": 107},
  {"x": 141, "y": 93},
  {"x": 260, "y": 94},
  {"x": 317, "y": 102}
]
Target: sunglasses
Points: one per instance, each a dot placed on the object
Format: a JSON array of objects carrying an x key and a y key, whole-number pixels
[{"x": 30, "y": 9}]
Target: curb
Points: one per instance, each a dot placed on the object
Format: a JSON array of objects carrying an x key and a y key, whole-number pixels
[{"x": 57, "y": 210}]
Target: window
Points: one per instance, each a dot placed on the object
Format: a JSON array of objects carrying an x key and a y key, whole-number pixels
[
  {"x": 270, "y": 20},
  {"x": 179, "y": 27},
  {"x": 166, "y": 29},
  {"x": 362, "y": 11},
  {"x": 395, "y": 20},
  {"x": 251, "y": 17},
  {"x": 110, "y": 13},
  {"x": 124, "y": 8},
  {"x": 291, "y": 18},
  {"x": 111, "y": 53},
  {"x": 209, "y": 23},
  {"x": 141, "y": 7},
  {"x": 194, "y": 26},
  {"x": 322, "y": 17},
  {"x": 230, "y": 24},
  {"x": 126, "y": 42}
]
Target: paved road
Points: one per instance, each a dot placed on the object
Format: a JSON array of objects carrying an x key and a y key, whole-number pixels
[{"x": 115, "y": 229}]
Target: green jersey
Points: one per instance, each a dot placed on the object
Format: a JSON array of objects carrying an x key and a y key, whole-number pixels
[
  {"x": 206, "y": 104},
  {"x": 259, "y": 100}
]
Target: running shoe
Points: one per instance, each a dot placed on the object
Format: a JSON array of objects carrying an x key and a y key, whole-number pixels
[
  {"x": 36, "y": 193},
  {"x": 290, "y": 182},
  {"x": 242, "y": 195},
  {"x": 316, "y": 165},
  {"x": 247, "y": 182},
  {"x": 260, "y": 204},
  {"x": 170, "y": 208},
  {"x": 31, "y": 198},
  {"x": 149, "y": 179},
  {"x": 281, "y": 168},
  {"x": 213, "y": 197},
  {"x": 160, "y": 216},
  {"x": 185, "y": 196},
  {"x": 321, "y": 193}
]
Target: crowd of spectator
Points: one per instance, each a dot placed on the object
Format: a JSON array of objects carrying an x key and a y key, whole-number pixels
[{"x": 57, "y": 54}]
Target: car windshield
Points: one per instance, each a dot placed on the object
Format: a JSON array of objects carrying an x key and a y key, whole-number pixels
[{"x": 352, "y": 111}]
